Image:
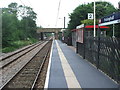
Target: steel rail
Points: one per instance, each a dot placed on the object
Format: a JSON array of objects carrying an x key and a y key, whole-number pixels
[
  {"x": 2, "y": 66},
  {"x": 33, "y": 86},
  {"x": 16, "y": 52},
  {"x": 3, "y": 86}
]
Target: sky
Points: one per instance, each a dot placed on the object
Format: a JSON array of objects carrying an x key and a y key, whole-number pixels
[{"x": 47, "y": 10}]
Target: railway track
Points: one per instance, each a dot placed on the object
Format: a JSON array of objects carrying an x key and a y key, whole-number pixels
[
  {"x": 14, "y": 56},
  {"x": 5, "y": 56},
  {"x": 25, "y": 75}
]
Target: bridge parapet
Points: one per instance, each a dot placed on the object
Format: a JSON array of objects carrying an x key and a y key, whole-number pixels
[
  {"x": 52, "y": 30},
  {"x": 49, "y": 30}
]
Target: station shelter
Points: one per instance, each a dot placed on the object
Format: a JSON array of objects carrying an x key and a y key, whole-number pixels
[{"x": 82, "y": 31}]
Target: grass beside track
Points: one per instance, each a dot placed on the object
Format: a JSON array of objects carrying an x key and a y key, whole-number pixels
[{"x": 18, "y": 44}]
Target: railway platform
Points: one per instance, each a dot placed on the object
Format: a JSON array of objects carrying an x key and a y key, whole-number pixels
[{"x": 68, "y": 70}]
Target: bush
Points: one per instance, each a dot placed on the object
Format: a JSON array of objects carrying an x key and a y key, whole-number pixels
[{"x": 18, "y": 44}]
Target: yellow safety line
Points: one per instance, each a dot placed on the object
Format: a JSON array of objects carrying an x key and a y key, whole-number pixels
[{"x": 70, "y": 77}]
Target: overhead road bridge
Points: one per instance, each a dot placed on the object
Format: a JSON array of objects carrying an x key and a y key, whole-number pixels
[{"x": 41, "y": 31}]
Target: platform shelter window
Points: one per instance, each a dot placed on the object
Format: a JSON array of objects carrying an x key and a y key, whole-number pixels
[{"x": 80, "y": 35}]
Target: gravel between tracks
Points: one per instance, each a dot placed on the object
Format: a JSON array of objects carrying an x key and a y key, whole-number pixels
[{"x": 41, "y": 79}]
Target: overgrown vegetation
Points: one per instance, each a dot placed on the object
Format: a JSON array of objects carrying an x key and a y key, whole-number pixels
[
  {"x": 18, "y": 44},
  {"x": 79, "y": 15},
  {"x": 18, "y": 26}
]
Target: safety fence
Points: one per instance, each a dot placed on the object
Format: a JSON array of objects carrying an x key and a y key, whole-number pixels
[{"x": 104, "y": 53}]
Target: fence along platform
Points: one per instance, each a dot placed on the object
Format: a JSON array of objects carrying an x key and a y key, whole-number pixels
[{"x": 84, "y": 73}]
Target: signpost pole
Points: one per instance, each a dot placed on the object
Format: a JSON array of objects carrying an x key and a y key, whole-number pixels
[
  {"x": 94, "y": 20},
  {"x": 113, "y": 30}
]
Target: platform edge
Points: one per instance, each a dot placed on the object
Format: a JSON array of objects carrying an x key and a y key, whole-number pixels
[{"x": 48, "y": 69}]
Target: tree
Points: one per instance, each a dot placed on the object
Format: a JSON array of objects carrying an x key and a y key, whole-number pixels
[
  {"x": 13, "y": 8},
  {"x": 25, "y": 11},
  {"x": 28, "y": 23},
  {"x": 17, "y": 24},
  {"x": 80, "y": 13},
  {"x": 28, "y": 26},
  {"x": 9, "y": 29},
  {"x": 89, "y": 22}
]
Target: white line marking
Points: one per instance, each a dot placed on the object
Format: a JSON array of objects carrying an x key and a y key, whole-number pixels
[
  {"x": 48, "y": 69},
  {"x": 70, "y": 77}
]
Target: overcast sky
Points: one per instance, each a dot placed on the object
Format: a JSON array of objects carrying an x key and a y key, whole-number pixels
[{"x": 47, "y": 10}]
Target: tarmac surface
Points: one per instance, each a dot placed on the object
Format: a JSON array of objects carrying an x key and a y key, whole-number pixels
[{"x": 69, "y": 70}]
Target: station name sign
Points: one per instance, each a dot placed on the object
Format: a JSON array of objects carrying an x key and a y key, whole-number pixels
[{"x": 111, "y": 19}]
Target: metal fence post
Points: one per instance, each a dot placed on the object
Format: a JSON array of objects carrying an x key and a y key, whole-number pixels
[
  {"x": 84, "y": 42},
  {"x": 118, "y": 85},
  {"x": 76, "y": 47},
  {"x": 98, "y": 48},
  {"x": 84, "y": 51},
  {"x": 118, "y": 75}
]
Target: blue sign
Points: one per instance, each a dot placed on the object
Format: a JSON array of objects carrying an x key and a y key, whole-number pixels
[{"x": 111, "y": 19}]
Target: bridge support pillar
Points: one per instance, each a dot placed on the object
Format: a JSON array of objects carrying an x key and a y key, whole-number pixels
[
  {"x": 41, "y": 36},
  {"x": 56, "y": 35}
]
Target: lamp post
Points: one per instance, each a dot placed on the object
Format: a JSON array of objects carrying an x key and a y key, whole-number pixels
[
  {"x": 64, "y": 22},
  {"x": 119, "y": 5},
  {"x": 94, "y": 20}
]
